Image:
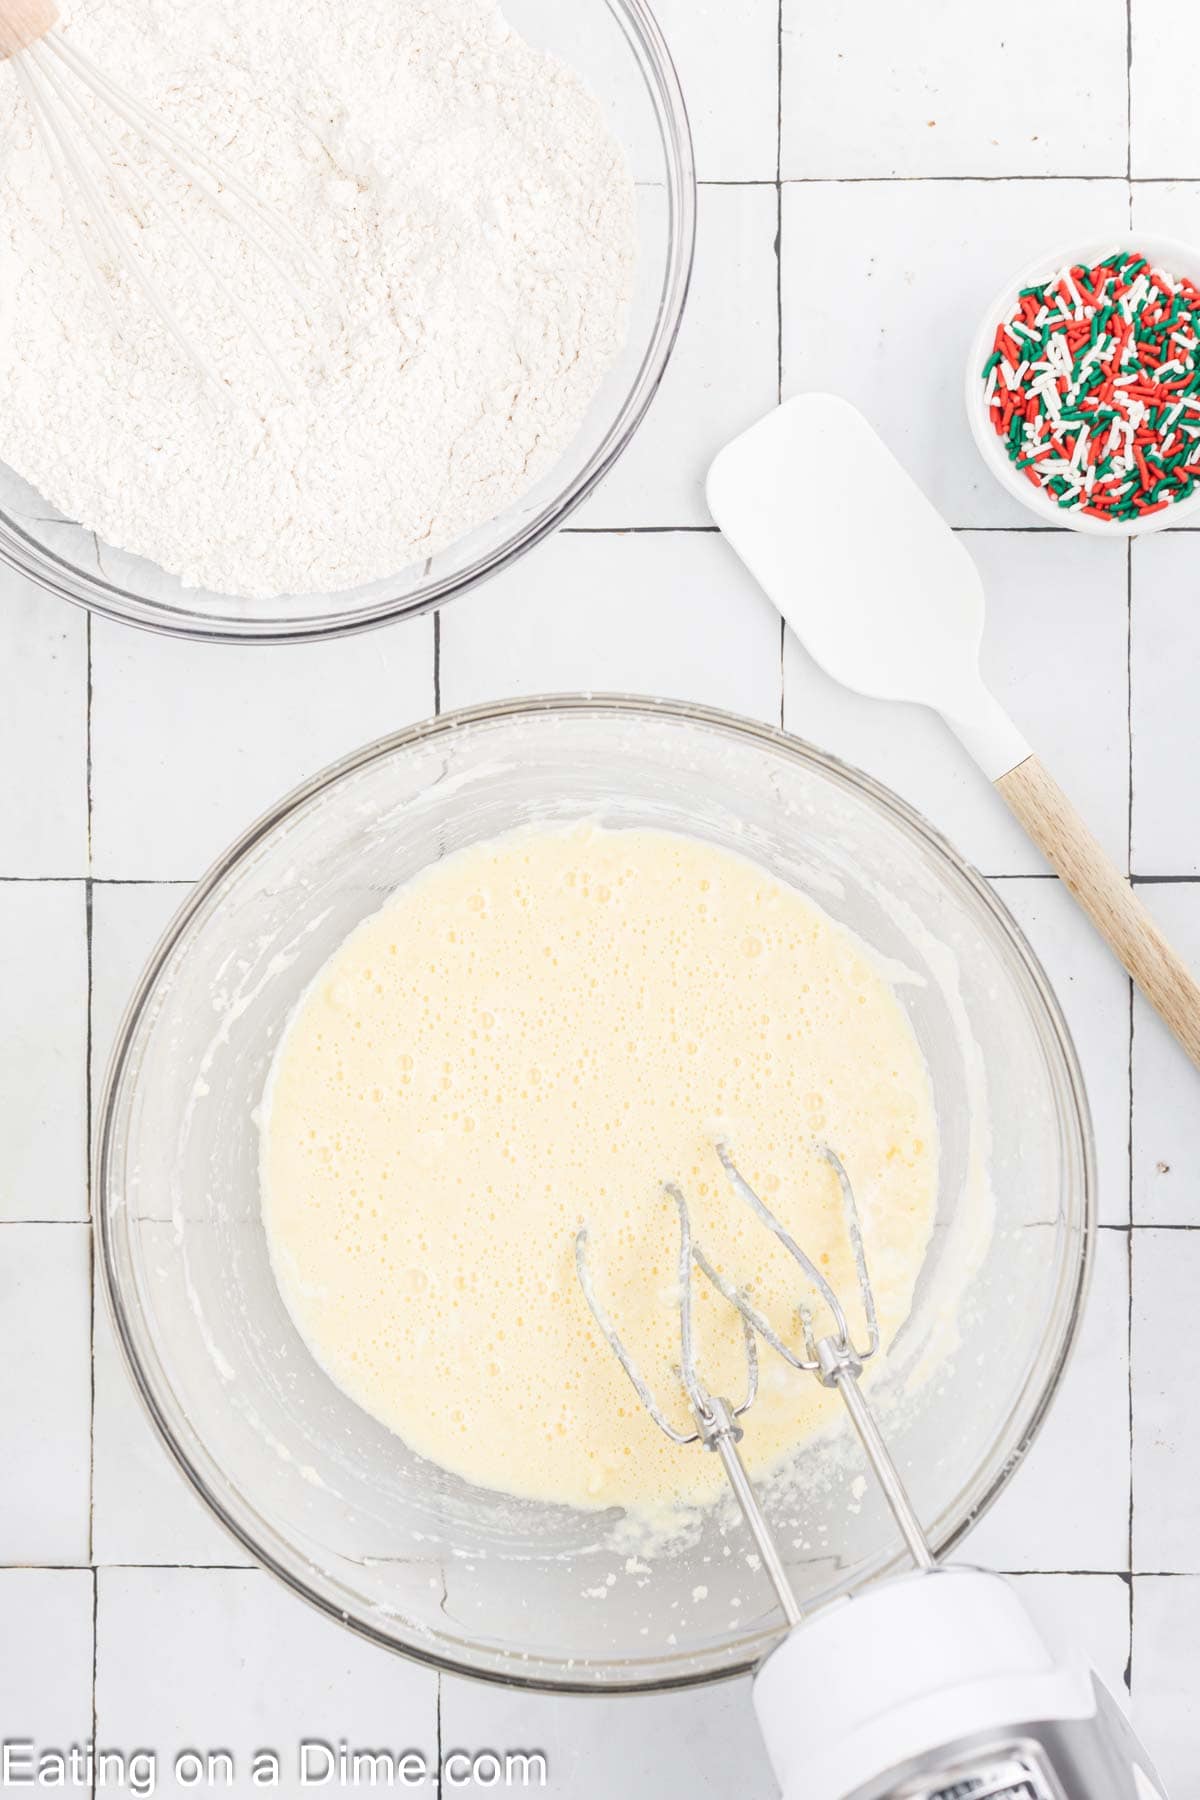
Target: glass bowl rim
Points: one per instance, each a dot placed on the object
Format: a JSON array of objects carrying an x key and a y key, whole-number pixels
[
  {"x": 67, "y": 580},
  {"x": 273, "y": 1552}
]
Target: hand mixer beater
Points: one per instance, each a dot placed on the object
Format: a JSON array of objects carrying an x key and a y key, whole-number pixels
[{"x": 933, "y": 1685}]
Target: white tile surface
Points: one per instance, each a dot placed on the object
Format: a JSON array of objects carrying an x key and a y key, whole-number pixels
[
  {"x": 1166, "y": 1119},
  {"x": 128, "y": 918},
  {"x": 1165, "y": 64},
  {"x": 1084, "y": 1615},
  {"x": 1166, "y": 718},
  {"x": 946, "y": 89},
  {"x": 43, "y": 733},
  {"x": 905, "y": 272},
  {"x": 728, "y": 62},
  {"x": 143, "y": 1511},
  {"x": 229, "y": 1659},
  {"x": 1068, "y": 1507},
  {"x": 1094, "y": 992},
  {"x": 1053, "y": 602},
  {"x": 704, "y": 1744},
  {"x": 723, "y": 375},
  {"x": 43, "y": 977},
  {"x": 1166, "y": 1402},
  {"x": 1171, "y": 208},
  {"x": 1166, "y": 1677},
  {"x": 46, "y": 1665},
  {"x": 190, "y": 742},
  {"x": 45, "y": 1393},
  {"x": 673, "y": 614}
]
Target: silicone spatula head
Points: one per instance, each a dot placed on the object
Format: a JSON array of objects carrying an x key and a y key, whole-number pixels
[{"x": 868, "y": 575}]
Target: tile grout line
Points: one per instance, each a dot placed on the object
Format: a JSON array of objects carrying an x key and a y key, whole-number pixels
[
  {"x": 966, "y": 175},
  {"x": 437, "y": 708},
  {"x": 1129, "y": 102},
  {"x": 1129, "y": 871},
  {"x": 89, "y": 926},
  {"x": 96, "y": 882},
  {"x": 154, "y": 1219},
  {"x": 1129, "y": 1336},
  {"x": 1129, "y": 1131},
  {"x": 89, "y": 689},
  {"x": 195, "y": 1568},
  {"x": 95, "y": 1661},
  {"x": 439, "y": 1752},
  {"x": 779, "y": 307},
  {"x": 89, "y": 944},
  {"x": 751, "y": 181},
  {"x": 1129, "y": 704},
  {"x": 1133, "y": 1228},
  {"x": 1129, "y": 1550},
  {"x": 1132, "y": 992}
]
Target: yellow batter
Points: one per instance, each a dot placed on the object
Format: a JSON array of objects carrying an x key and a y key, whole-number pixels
[{"x": 540, "y": 1031}]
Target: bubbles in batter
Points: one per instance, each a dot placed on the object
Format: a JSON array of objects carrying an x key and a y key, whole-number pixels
[{"x": 539, "y": 1032}]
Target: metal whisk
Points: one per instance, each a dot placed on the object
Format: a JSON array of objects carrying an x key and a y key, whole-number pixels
[
  {"x": 106, "y": 194},
  {"x": 834, "y": 1358}
]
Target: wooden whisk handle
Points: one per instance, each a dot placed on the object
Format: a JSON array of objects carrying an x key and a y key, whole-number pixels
[
  {"x": 1106, "y": 896},
  {"x": 23, "y": 22}
]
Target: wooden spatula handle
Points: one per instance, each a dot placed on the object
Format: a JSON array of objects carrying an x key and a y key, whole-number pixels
[
  {"x": 1106, "y": 896},
  {"x": 23, "y": 22}
]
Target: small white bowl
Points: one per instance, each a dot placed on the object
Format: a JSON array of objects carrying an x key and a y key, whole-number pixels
[{"x": 1167, "y": 253}]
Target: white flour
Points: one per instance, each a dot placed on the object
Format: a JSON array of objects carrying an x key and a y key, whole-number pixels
[{"x": 478, "y": 220}]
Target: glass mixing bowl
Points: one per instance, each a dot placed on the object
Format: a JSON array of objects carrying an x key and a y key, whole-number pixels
[
  {"x": 337, "y": 1506},
  {"x": 618, "y": 51}
]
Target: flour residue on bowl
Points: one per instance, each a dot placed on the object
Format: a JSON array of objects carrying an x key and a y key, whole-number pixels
[
  {"x": 538, "y": 1032},
  {"x": 474, "y": 219}
]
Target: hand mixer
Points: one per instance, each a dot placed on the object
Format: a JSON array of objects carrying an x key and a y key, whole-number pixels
[
  {"x": 932, "y": 1685},
  {"x": 69, "y": 100}
]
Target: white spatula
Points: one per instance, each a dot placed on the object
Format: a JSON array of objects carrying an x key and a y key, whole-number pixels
[{"x": 886, "y": 599}]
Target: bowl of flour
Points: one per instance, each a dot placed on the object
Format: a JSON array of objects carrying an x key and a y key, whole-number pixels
[{"x": 502, "y": 205}]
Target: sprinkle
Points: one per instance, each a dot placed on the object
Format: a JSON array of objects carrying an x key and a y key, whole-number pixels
[{"x": 1093, "y": 384}]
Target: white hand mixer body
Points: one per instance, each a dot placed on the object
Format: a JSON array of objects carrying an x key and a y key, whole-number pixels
[{"x": 933, "y": 1685}]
